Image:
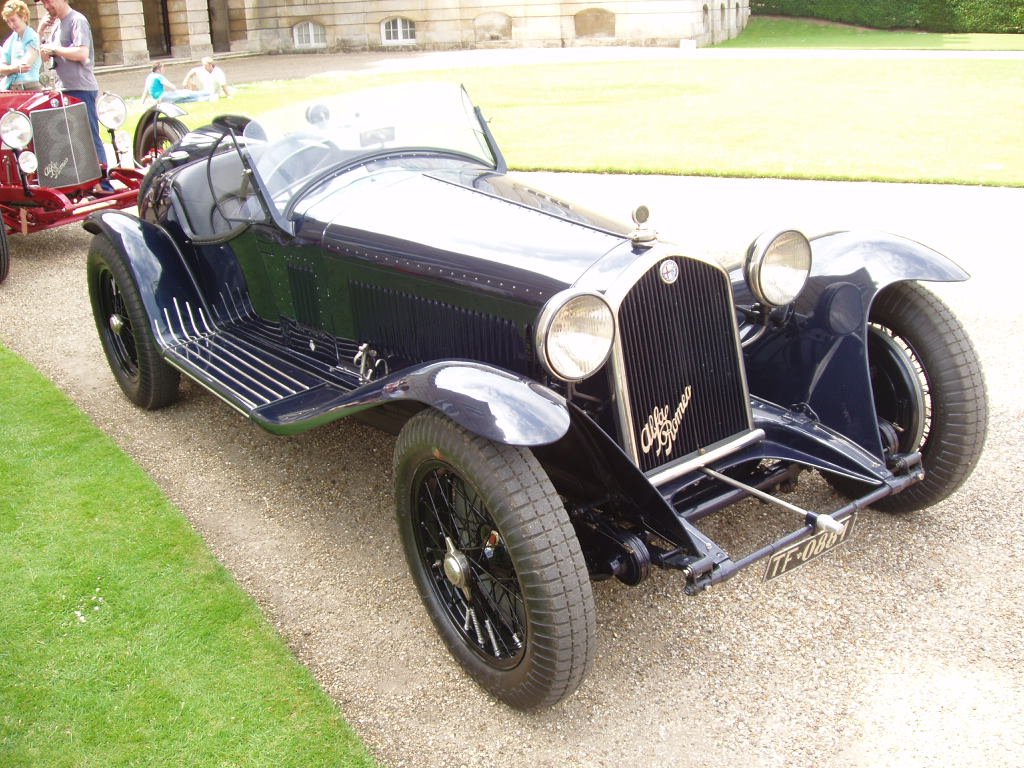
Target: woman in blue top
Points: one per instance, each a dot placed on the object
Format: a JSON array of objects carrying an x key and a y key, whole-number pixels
[
  {"x": 20, "y": 61},
  {"x": 159, "y": 88}
]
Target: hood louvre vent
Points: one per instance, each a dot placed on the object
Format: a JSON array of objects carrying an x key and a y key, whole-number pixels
[{"x": 410, "y": 329}]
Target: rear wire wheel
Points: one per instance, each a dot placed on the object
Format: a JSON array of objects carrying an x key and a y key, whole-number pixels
[
  {"x": 124, "y": 329},
  {"x": 157, "y": 137},
  {"x": 929, "y": 393},
  {"x": 496, "y": 561}
]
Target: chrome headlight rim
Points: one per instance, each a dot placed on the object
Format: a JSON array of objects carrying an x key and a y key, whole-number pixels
[
  {"x": 777, "y": 266},
  {"x": 122, "y": 141},
  {"x": 28, "y": 162},
  {"x": 111, "y": 110},
  {"x": 555, "y": 354},
  {"x": 16, "y": 129}
]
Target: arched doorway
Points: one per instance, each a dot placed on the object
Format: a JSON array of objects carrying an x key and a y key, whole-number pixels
[
  {"x": 220, "y": 26},
  {"x": 158, "y": 28}
]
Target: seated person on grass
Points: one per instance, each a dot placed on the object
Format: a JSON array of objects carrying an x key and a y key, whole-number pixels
[
  {"x": 159, "y": 88},
  {"x": 209, "y": 78}
]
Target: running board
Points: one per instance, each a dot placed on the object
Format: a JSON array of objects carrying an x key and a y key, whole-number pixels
[{"x": 270, "y": 372}]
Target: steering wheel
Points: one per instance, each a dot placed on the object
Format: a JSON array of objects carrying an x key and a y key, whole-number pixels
[
  {"x": 232, "y": 207},
  {"x": 298, "y": 163}
]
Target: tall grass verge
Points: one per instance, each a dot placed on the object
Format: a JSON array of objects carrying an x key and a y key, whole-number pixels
[{"x": 123, "y": 641}]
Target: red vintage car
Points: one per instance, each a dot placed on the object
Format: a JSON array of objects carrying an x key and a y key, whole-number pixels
[{"x": 49, "y": 172}]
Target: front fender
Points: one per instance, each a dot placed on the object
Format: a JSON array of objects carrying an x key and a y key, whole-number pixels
[
  {"x": 487, "y": 401},
  {"x": 817, "y": 362},
  {"x": 873, "y": 260},
  {"x": 156, "y": 263}
]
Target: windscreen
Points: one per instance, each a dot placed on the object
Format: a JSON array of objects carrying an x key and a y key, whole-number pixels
[{"x": 292, "y": 146}]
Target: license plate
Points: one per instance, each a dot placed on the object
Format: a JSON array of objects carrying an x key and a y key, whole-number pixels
[{"x": 805, "y": 550}]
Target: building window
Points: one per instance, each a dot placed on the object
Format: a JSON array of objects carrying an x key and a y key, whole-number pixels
[
  {"x": 398, "y": 31},
  {"x": 492, "y": 27},
  {"x": 595, "y": 22},
  {"x": 309, "y": 34}
]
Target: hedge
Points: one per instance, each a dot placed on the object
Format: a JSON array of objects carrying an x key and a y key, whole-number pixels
[{"x": 927, "y": 15}]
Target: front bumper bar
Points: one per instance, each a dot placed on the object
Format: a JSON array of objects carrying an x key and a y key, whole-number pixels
[{"x": 717, "y": 566}]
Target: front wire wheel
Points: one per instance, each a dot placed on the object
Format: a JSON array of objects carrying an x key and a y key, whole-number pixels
[
  {"x": 929, "y": 393},
  {"x": 496, "y": 561}
]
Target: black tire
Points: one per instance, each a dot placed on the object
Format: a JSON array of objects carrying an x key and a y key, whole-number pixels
[
  {"x": 5, "y": 252},
  {"x": 927, "y": 382},
  {"x": 125, "y": 331},
  {"x": 157, "y": 137},
  {"x": 530, "y": 638}
]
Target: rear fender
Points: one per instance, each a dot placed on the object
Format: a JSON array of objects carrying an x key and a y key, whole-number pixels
[
  {"x": 817, "y": 363},
  {"x": 163, "y": 278},
  {"x": 160, "y": 111}
]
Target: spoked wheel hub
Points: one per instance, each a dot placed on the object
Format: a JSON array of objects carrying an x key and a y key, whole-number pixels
[
  {"x": 472, "y": 575},
  {"x": 116, "y": 324},
  {"x": 457, "y": 568}
]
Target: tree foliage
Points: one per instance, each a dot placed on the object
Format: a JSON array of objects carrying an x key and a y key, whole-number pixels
[{"x": 926, "y": 15}]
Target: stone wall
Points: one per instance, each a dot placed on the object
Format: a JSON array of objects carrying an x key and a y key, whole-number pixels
[
  {"x": 134, "y": 31},
  {"x": 357, "y": 24}
]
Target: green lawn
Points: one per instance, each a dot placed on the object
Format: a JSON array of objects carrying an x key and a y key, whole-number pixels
[
  {"x": 774, "y": 32},
  {"x": 123, "y": 641},
  {"x": 953, "y": 121}
]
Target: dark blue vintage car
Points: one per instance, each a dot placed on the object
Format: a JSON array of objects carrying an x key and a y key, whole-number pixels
[{"x": 571, "y": 394}]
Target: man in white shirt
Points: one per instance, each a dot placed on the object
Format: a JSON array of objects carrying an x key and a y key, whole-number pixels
[{"x": 208, "y": 77}]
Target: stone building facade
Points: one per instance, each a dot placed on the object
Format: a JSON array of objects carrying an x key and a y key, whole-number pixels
[{"x": 136, "y": 31}]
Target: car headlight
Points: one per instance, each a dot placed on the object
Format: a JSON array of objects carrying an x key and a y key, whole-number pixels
[
  {"x": 28, "y": 162},
  {"x": 777, "y": 266},
  {"x": 122, "y": 142},
  {"x": 15, "y": 130},
  {"x": 111, "y": 110},
  {"x": 574, "y": 334}
]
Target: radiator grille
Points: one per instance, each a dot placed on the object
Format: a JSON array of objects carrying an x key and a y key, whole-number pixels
[
  {"x": 63, "y": 144},
  {"x": 684, "y": 382}
]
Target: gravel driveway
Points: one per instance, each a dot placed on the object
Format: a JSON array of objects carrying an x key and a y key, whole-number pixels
[{"x": 903, "y": 648}]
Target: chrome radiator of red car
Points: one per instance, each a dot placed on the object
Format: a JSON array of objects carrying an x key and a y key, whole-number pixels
[
  {"x": 63, "y": 144},
  {"x": 680, "y": 362}
]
